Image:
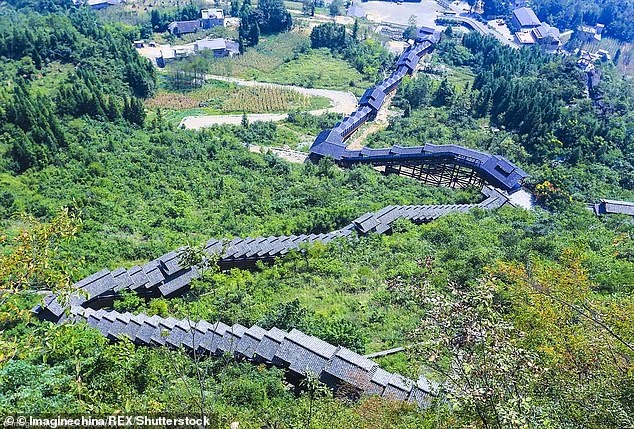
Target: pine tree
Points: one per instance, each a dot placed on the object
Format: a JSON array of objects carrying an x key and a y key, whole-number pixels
[
  {"x": 127, "y": 115},
  {"x": 444, "y": 94},
  {"x": 235, "y": 8},
  {"x": 114, "y": 113},
  {"x": 254, "y": 34},
  {"x": 134, "y": 111}
]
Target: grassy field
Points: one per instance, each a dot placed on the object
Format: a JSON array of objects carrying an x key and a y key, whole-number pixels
[
  {"x": 288, "y": 59},
  {"x": 460, "y": 77},
  {"x": 50, "y": 76},
  {"x": 270, "y": 54},
  {"x": 316, "y": 69}
]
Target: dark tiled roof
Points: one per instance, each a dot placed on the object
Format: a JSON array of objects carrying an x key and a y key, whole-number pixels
[
  {"x": 351, "y": 368},
  {"x": 305, "y": 354},
  {"x": 614, "y": 207},
  {"x": 300, "y": 353},
  {"x": 184, "y": 27}
]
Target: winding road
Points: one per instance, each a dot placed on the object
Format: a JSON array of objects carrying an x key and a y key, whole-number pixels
[{"x": 341, "y": 102}]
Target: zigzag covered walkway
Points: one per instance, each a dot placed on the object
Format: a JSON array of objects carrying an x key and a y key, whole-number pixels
[
  {"x": 299, "y": 354},
  {"x": 449, "y": 165},
  {"x": 295, "y": 351}
]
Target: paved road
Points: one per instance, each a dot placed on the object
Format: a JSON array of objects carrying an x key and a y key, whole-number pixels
[
  {"x": 484, "y": 29},
  {"x": 477, "y": 25},
  {"x": 341, "y": 102}
]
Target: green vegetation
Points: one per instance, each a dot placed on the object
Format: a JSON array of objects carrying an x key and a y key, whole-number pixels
[
  {"x": 317, "y": 69},
  {"x": 270, "y": 17},
  {"x": 133, "y": 206},
  {"x": 616, "y": 16},
  {"x": 368, "y": 56},
  {"x": 347, "y": 64},
  {"x": 264, "y": 58},
  {"x": 288, "y": 59},
  {"x": 526, "y": 316},
  {"x": 217, "y": 97}
]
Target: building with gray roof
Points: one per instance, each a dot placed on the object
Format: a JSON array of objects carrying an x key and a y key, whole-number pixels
[
  {"x": 524, "y": 18},
  {"x": 607, "y": 207},
  {"x": 179, "y": 28}
]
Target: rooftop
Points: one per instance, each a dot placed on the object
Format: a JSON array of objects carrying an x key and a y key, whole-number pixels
[
  {"x": 615, "y": 207},
  {"x": 212, "y": 44},
  {"x": 525, "y": 37},
  {"x": 526, "y": 17},
  {"x": 212, "y": 13},
  {"x": 546, "y": 30},
  {"x": 184, "y": 26}
]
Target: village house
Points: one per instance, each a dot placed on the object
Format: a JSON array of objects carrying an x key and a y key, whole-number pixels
[
  {"x": 525, "y": 19},
  {"x": 588, "y": 33},
  {"x": 219, "y": 47},
  {"x": 210, "y": 18},
  {"x": 532, "y": 31}
]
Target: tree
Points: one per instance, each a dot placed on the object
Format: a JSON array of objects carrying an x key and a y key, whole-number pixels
[
  {"x": 114, "y": 111},
  {"x": 412, "y": 28},
  {"x": 335, "y": 7},
  {"x": 34, "y": 260},
  {"x": 142, "y": 79},
  {"x": 134, "y": 111},
  {"x": 465, "y": 338},
  {"x": 495, "y": 7},
  {"x": 416, "y": 92},
  {"x": 254, "y": 34},
  {"x": 273, "y": 17},
  {"x": 249, "y": 29},
  {"x": 234, "y": 8},
  {"x": 32, "y": 128},
  {"x": 584, "y": 339},
  {"x": 444, "y": 95},
  {"x": 155, "y": 19},
  {"x": 330, "y": 35},
  {"x": 308, "y": 7}
]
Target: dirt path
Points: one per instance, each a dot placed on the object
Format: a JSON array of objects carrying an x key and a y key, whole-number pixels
[
  {"x": 381, "y": 122},
  {"x": 341, "y": 102},
  {"x": 293, "y": 156}
]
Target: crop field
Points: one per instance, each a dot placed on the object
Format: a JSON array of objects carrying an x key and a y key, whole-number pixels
[
  {"x": 626, "y": 61},
  {"x": 610, "y": 45},
  {"x": 258, "y": 99},
  {"x": 271, "y": 53},
  {"x": 294, "y": 5},
  {"x": 220, "y": 98},
  {"x": 459, "y": 77}
]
